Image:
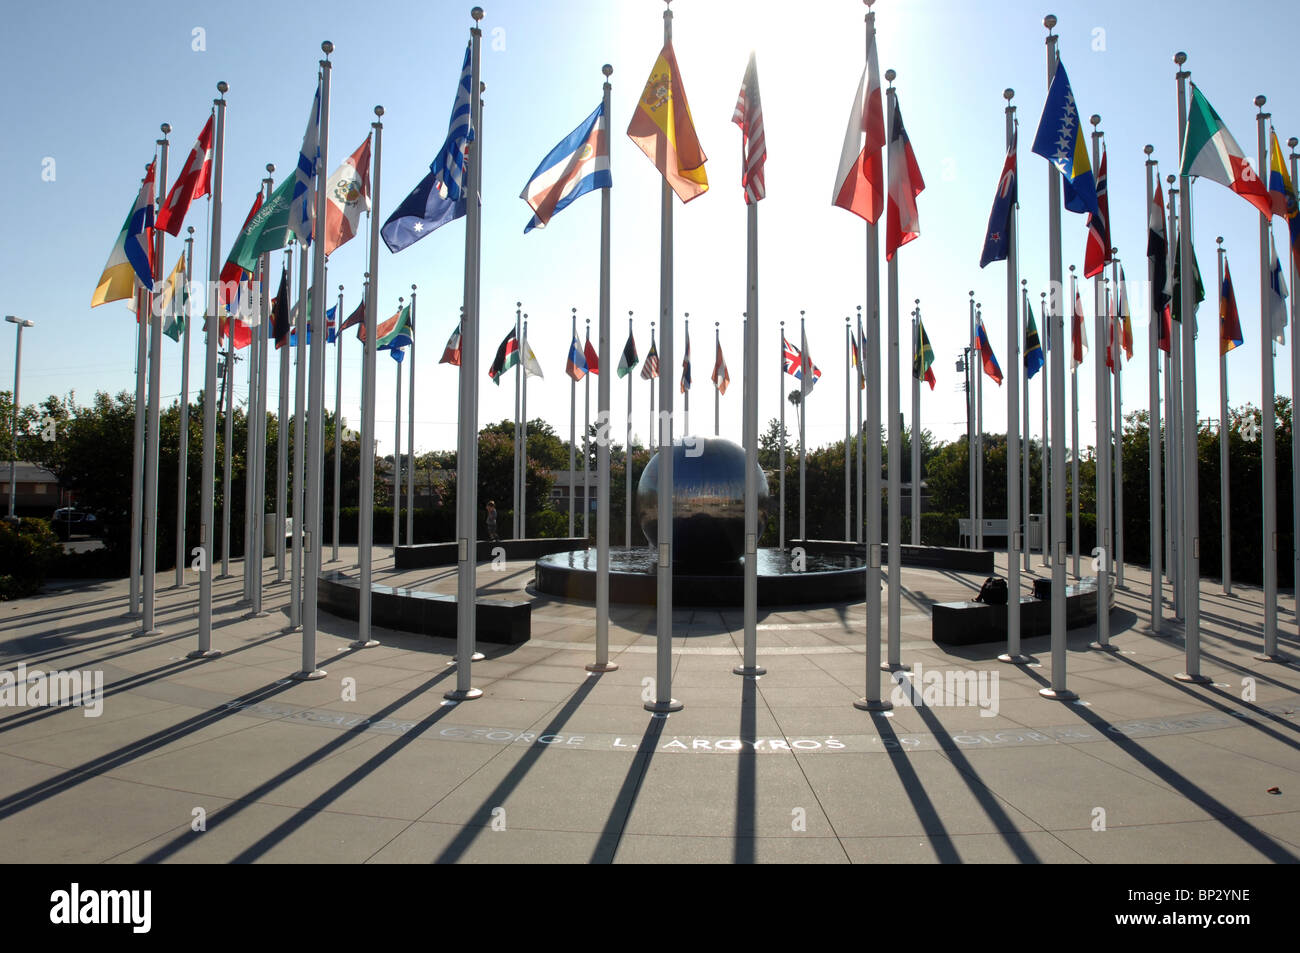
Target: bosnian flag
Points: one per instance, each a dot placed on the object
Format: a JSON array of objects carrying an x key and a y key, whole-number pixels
[
  {"x": 905, "y": 184},
  {"x": 860, "y": 179},
  {"x": 579, "y": 164},
  {"x": 194, "y": 182},
  {"x": 347, "y": 195}
]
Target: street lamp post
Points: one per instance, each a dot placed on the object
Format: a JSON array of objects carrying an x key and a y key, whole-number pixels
[{"x": 18, "y": 363}]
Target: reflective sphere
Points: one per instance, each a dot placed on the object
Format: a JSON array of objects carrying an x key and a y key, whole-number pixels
[{"x": 708, "y": 501}]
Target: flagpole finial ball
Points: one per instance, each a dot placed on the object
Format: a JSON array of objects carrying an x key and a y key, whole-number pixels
[
  {"x": 890, "y": 75},
  {"x": 166, "y": 128},
  {"x": 1071, "y": 269},
  {"x": 412, "y": 290},
  {"x": 607, "y": 69},
  {"x": 1094, "y": 119},
  {"x": 191, "y": 229},
  {"x": 327, "y": 47},
  {"x": 340, "y": 287},
  {"x": 379, "y": 111},
  {"x": 1260, "y": 101},
  {"x": 1293, "y": 142},
  {"x": 1049, "y": 21},
  {"x": 1180, "y": 57},
  {"x": 477, "y": 13},
  {"x": 1024, "y": 281},
  {"x": 1170, "y": 179},
  {"x": 1008, "y": 94},
  {"x": 270, "y": 167},
  {"x": 1219, "y": 240},
  {"x": 223, "y": 87},
  {"x": 1148, "y": 149}
]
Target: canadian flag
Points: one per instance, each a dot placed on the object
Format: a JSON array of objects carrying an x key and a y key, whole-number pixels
[
  {"x": 194, "y": 182},
  {"x": 347, "y": 195}
]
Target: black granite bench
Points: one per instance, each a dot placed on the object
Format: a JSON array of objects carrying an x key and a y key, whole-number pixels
[
  {"x": 974, "y": 623},
  {"x": 428, "y": 555},
  {"x": 921, "y": 557},
  {"x": 499, "y": 621}
]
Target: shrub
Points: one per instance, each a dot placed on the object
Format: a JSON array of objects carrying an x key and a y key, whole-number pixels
[{"x": 27, "y": 550}]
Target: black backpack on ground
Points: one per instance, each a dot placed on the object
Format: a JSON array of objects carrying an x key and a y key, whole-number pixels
[{"x": 993, "y": 592}]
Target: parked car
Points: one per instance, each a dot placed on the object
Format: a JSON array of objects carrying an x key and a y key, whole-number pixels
[{"x": 70, "y": 521}]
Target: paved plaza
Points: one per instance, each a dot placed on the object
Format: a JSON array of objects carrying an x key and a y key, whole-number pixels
[{"x": 230, "y": 760}]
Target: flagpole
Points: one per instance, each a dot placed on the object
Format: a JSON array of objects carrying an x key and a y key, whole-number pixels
[
  {"x": 717, "y": 394},
  {"x": 805, "y": 372},
  {"x": 397, "y": 450},
  {"x": 686, "y": 391},
  {"x": 1074, "y": 431},
  {"x": 1225, "y": 512},
  {"x": 1015, "y": 367},
  {"x": 1057, "y": 690},
  {"x": 1295, "y": 391},
  {"x": 1117, "y": 494},
  {"x": 1102, "y": 392},
  {"x": 627, "y": 455},
  {"x": 182, "y": 457},
  {"x": 282, "y": 436},
  {"x": 514, "y": 506},
  {"x": 749, "y": 394},
  {"x": 1153, "y": 416},
  {"x": 651, "y": 437},
  {"x": 602, "y": 663},
  {"x": 1173, "y": 428},
  {"x": 586, "y": 442},
  {"x": 895, "y": 662},
  {"x": 467, "y": 431},
  {"x": 208, "y": 475},
  {"x": 1191, "y": 480},
  {"x": 338, "y": 423},
  {"x": 366, "y": 490},
  {"x": 150, "y": 522},
  {"x": 523, "y": 448},
  {"x": 299, "y": 442},
  {"x": 410, "y": 433},
  {"x": 848, "y": 475},
  {"x": 916, "y": 430},
  {"x": 1024, "y": 424},
  {"x": 259, "y": 443},
  {"x": 781, "y": 453},
  {"x": 134, "y": 608},
  {"x": 249, "y": 445},
  {"x": 979, "y": 436},
  {"x": 573, "y": 431},
  {"x": 859, "y": 443},
  {"x": 1045, "y": 468},
  {"x": 1268, "y": 434},
  {"x": 971, "y": 447},
  {"x": 226, "y": 489}
]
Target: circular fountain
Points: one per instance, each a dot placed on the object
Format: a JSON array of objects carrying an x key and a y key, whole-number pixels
[{"x": 708, "y": 544}]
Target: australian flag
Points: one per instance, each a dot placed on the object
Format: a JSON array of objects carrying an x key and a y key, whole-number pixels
[{"x": 997, "y": 240}]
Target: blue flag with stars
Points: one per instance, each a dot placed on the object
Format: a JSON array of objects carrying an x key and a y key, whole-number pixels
[{"x": 1061, "y": 142}]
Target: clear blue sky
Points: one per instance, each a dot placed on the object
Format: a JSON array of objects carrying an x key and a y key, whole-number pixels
[{"x": 87, "y": 85}]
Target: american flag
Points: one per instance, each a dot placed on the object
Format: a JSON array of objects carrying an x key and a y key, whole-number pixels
[{"x": 749, "y": 117}]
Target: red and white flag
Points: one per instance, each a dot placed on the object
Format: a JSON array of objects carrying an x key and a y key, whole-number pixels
[
  {"x": 195, "y": 181},
  {"x": 1079, "y": 333},
  {"x": 753, "y": 150},
  {"x": 721, "y": 378},
  {"x": 451, "y": 353},
  {"x": 591, "y": 357},
  {"x": 860, "y": 180},
  {"x": 347, "y": 195},
  {"x": 905, "y": 184}
]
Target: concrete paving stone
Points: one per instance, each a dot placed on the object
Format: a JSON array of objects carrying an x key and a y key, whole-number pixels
[
  {"x": 1209, "y": 839},
  {"x": 677, "y": 849},
  {"x": 425, "y": 842},
  {"x": 1026, "y": 846}
]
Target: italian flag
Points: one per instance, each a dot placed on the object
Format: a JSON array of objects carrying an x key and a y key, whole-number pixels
[{"x": 1210, "y": 151}]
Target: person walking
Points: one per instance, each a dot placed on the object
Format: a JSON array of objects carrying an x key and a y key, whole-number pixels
[{"x": 492, "y": 520}]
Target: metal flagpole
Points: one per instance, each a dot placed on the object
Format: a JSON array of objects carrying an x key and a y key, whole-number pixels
[
  {"x": 514, "y": 505},
  {"x": 282, "y": 437},
  {"x": 366, "y": 490},
  {"x": 1015, "y": 367},
  {"x": 260, "y": 342},
  {"x": 467, "y": 431},
  {"x": 573, "y": 431},
  {"x": 627, "y": 455},
  {"x": 916, "y": 430},
  {"x": 133, "y": 608},
  {"x": 299, "y": 441},
  {"x": 1024, "y": 424},
  {"x": 410, "y": 434},
  {"x": 1153, "y": 417},
  {"x": 861, "y": 437},
  {"x": 183, "y": 451},
  {"x": 1268, "y": 429},
  {"x": 208, "y": 475},
  {"x": 664, "y": 701},
  {"x": 749, "y": 393},
  {"x": 365, "y": 307},
  {"x": 1074, "y": 435},
  {"x": 1295, "y": 391},
  {"x": 1174, "y": 428},
  {"x": 972, "y": 448},
  {"x": 602, "y": 663},
  {"x": 652, "y": 437},
  {"x": 315, "y": 464},
  {"x": 397, "y": 452},
  {"x": 781, "y": 452},
  {"x": 150, "y": 522},
  {"x": 1100, "y": 400},
  {"x": 1191, "y": 482},
  {"x": 686, "y": 392},
  {"x": 1117, "y": 495},
  {"x": 254, "y": 419},
  {"x": 717, "y": 394},
  {"x": 338, "y": 423},
  {"x": 848, "y": 459},
  {"x": 805, "y": 372},
  {"x": 978, "y": 371},
  {"x": 1045, "y": 463},
  {"x": 1225, "y": 511},
  {"x": 586, "y": 445},
  {"x": 523, "y": 445},
  {"x": 895, "y": 662},
  {"x": 227, "y": 490},
  {"x": 1057, "y": 690},
  {"x": 250, "y": 446}
]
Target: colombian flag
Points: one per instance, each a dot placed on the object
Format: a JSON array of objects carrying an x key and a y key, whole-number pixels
[{"x": 662, "y": 128}]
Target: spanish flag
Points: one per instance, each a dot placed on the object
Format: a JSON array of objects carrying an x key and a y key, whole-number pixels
[{"x": 662, "y": 128}]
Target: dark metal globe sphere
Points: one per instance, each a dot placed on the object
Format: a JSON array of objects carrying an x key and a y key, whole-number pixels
[{"x": 708, "y": 501}]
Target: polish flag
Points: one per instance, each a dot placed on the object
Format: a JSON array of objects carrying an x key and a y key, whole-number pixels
[
  {"x": 860, "y": 180},
  {"x": 347, "y": 195}
]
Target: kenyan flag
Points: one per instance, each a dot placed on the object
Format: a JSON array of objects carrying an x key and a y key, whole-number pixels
[{"x": 507, "y": 357}]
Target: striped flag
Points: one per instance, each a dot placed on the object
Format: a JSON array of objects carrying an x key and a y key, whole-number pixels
[
  {"x": 172, "y": 300},
  {"x": 686, "y": 366},
  {"x": 860, "y": 179},
  {"x": 1096, "y": 252},
  {"x": 507, "y": 357},
  {"x": 1210, "y": 151},
  {"x": 663, "y": 129},
  {"x": 578, "y": 165},
  {"x": 905, "y": 184},
  {"x": 1125, "y": 320},
  {"x": 1079, "y": 332},
  {"x": 650, "y": 370},
  {"x": 987, "y": 357},
  {"x": 128, "y": 256},
  {"x": 923, "y": 356},
  {"x": 347, "y": 195},
  {"x": 451, "y": 353},
  {"x": 449, "y": 166},
  {"x": 628, "y": 359},
  {"x": 1277, "y": 295},
  {"x": 576, "y": 366},
  {"x": 302, "y": 206},
  {"x": 1033, "y": 347},
  {"x": 1282, "y": 194},
  {"x": 753, "y": 148},
  {"x": 721, "y": 377}
]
